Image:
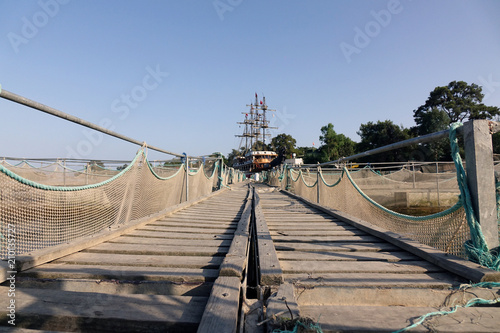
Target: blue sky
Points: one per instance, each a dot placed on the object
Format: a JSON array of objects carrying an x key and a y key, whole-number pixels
[{"x": 178, "y": 74}]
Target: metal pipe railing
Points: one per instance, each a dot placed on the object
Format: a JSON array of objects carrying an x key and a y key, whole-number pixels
[
  {"x": 47, "y": 109},
  {"x": 397, "y": 145}
]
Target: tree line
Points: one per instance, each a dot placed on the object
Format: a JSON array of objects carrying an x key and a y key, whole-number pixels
[{"x": 458, "y": 101}]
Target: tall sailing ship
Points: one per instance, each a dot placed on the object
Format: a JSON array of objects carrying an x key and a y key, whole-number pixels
[{"x": 255, "y": 131}]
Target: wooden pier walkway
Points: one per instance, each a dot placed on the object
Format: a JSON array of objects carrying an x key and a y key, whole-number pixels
[
  {"x": 157, "y": 278},
  {"x": 348, "y": 280},
  {"x": 189, "y": 271}
]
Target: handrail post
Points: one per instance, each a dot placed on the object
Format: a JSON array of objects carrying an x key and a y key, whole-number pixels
[
  {"x": 318, "y": 169},
  {"x": 186, "y": 161},
  {"x": 481, "y": 177}
]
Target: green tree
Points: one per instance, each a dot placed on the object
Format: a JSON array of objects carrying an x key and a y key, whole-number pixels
[
  {"x": 284, "y": 142},
  {"x": 383, "y": 133},
  {"x": 310, "y": 155},
  {"x": 334, "y": 145},
  {"x": 459, "y": 100},
  {"x": 434, "y": 120}
]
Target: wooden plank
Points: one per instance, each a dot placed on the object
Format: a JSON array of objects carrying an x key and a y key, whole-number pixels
[
  {"x": 358, "y": 267},
  {"x": 347, "y": 256},
  {"x": 96, "y": 312},
  {"x": 166, "y": 234},
  {"x": 172, "y": 250},
  {"x": 197, "y": 223},
  {"x": 321, "y": 232},
  {"x": 236, "y": 259},
  {"x": 335, "y": 246},
  {"x": 194, "y": 230},
  {"x": 382, "y": 280},
  {"x": 118, "y": 286},
  {"x": 307, "y": 226},
  {"x": 170, "y": 241},
  {"x": 139, "y": 260},
  {"x": 276, "y": 303},
  {"x": 133, "y": 273},
  {"x": 323, "y": 239},
  {"x": 270, "y": 270},
  {"x": 221, "y": 312},
  {"x": 394, "y": 296}
]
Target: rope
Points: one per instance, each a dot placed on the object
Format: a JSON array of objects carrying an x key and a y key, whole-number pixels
[
  {"x": 476, "y": 248},
  {"x": 63, "y": 188},
  {"x": 298, "y": 324},
  {"x": 471, "y": 302}
]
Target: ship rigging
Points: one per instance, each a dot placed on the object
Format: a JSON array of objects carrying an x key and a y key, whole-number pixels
[{"x": 255, "y": 157}]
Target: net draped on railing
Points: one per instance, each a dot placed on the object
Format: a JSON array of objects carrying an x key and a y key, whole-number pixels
[
  {"x": 446, "y": 230},
  {"x": 41, "y": 215}
]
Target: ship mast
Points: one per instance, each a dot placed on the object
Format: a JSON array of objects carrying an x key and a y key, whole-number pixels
[{"x": 255, "y": 124}]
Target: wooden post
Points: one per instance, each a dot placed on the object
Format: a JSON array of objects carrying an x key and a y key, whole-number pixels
[
  {"x": 481, "y": 177},
  {"x": 317, "y": 183}
]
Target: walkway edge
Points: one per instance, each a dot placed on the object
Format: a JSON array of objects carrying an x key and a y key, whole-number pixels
[
  {"x": 41, "y": 256},
  {"x": 466, "y": 269},
  {"x": 235, "y": 261},
  {"x": 271, "y": 273}
]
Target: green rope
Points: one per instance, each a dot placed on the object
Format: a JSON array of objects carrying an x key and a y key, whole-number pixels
[
  {"x": 450, "y": 210},
  {"x": 472, "y": 302},
  {"x": 36, "y": 185},
  {"x": 158, "y": 176},
  {"x": 310, "y": 327},
  {"x": 476, "y": 248}
]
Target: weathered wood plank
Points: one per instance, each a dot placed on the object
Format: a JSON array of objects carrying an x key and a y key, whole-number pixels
[
  {"x": 221, "y": 312},
  {"x": 194, "y": 230},
  {"x": 270, "y": 270},
  {"x": 382, "y": 280},
  {"x": 117, "y": 286},
  {"x": 307, "y": 226},
  {"x": 358, "y": 267},
  {"x": 140, "y": 260},
  {"x": 236, "y": 259},
  {"x": 133, "y": 273},
  {"x": 96, "y": 312},
  {"x": 170, "y": 241},
  {"x": 347, "y": 256},
  {"x": 323, "y": 239},
  {"x": 315, "y": 232},
  {"x": 194, "y": 224},
  {"x": 282, "y": 306},
  {"x": 335, "y": 246},
  {"x": 172, "y": 250},
  {"x": 166, "y": 234}
]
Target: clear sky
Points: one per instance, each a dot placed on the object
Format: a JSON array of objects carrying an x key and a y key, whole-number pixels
[{"x": 178, "y": 74}]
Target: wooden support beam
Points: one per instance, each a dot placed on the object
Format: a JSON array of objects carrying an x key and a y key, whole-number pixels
[
  {"x": 235, "y": 260},
  {"x": 481, "y": 177},
  {"x": 221, "y": 312},
  {"x": 270, "y": 269}
]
